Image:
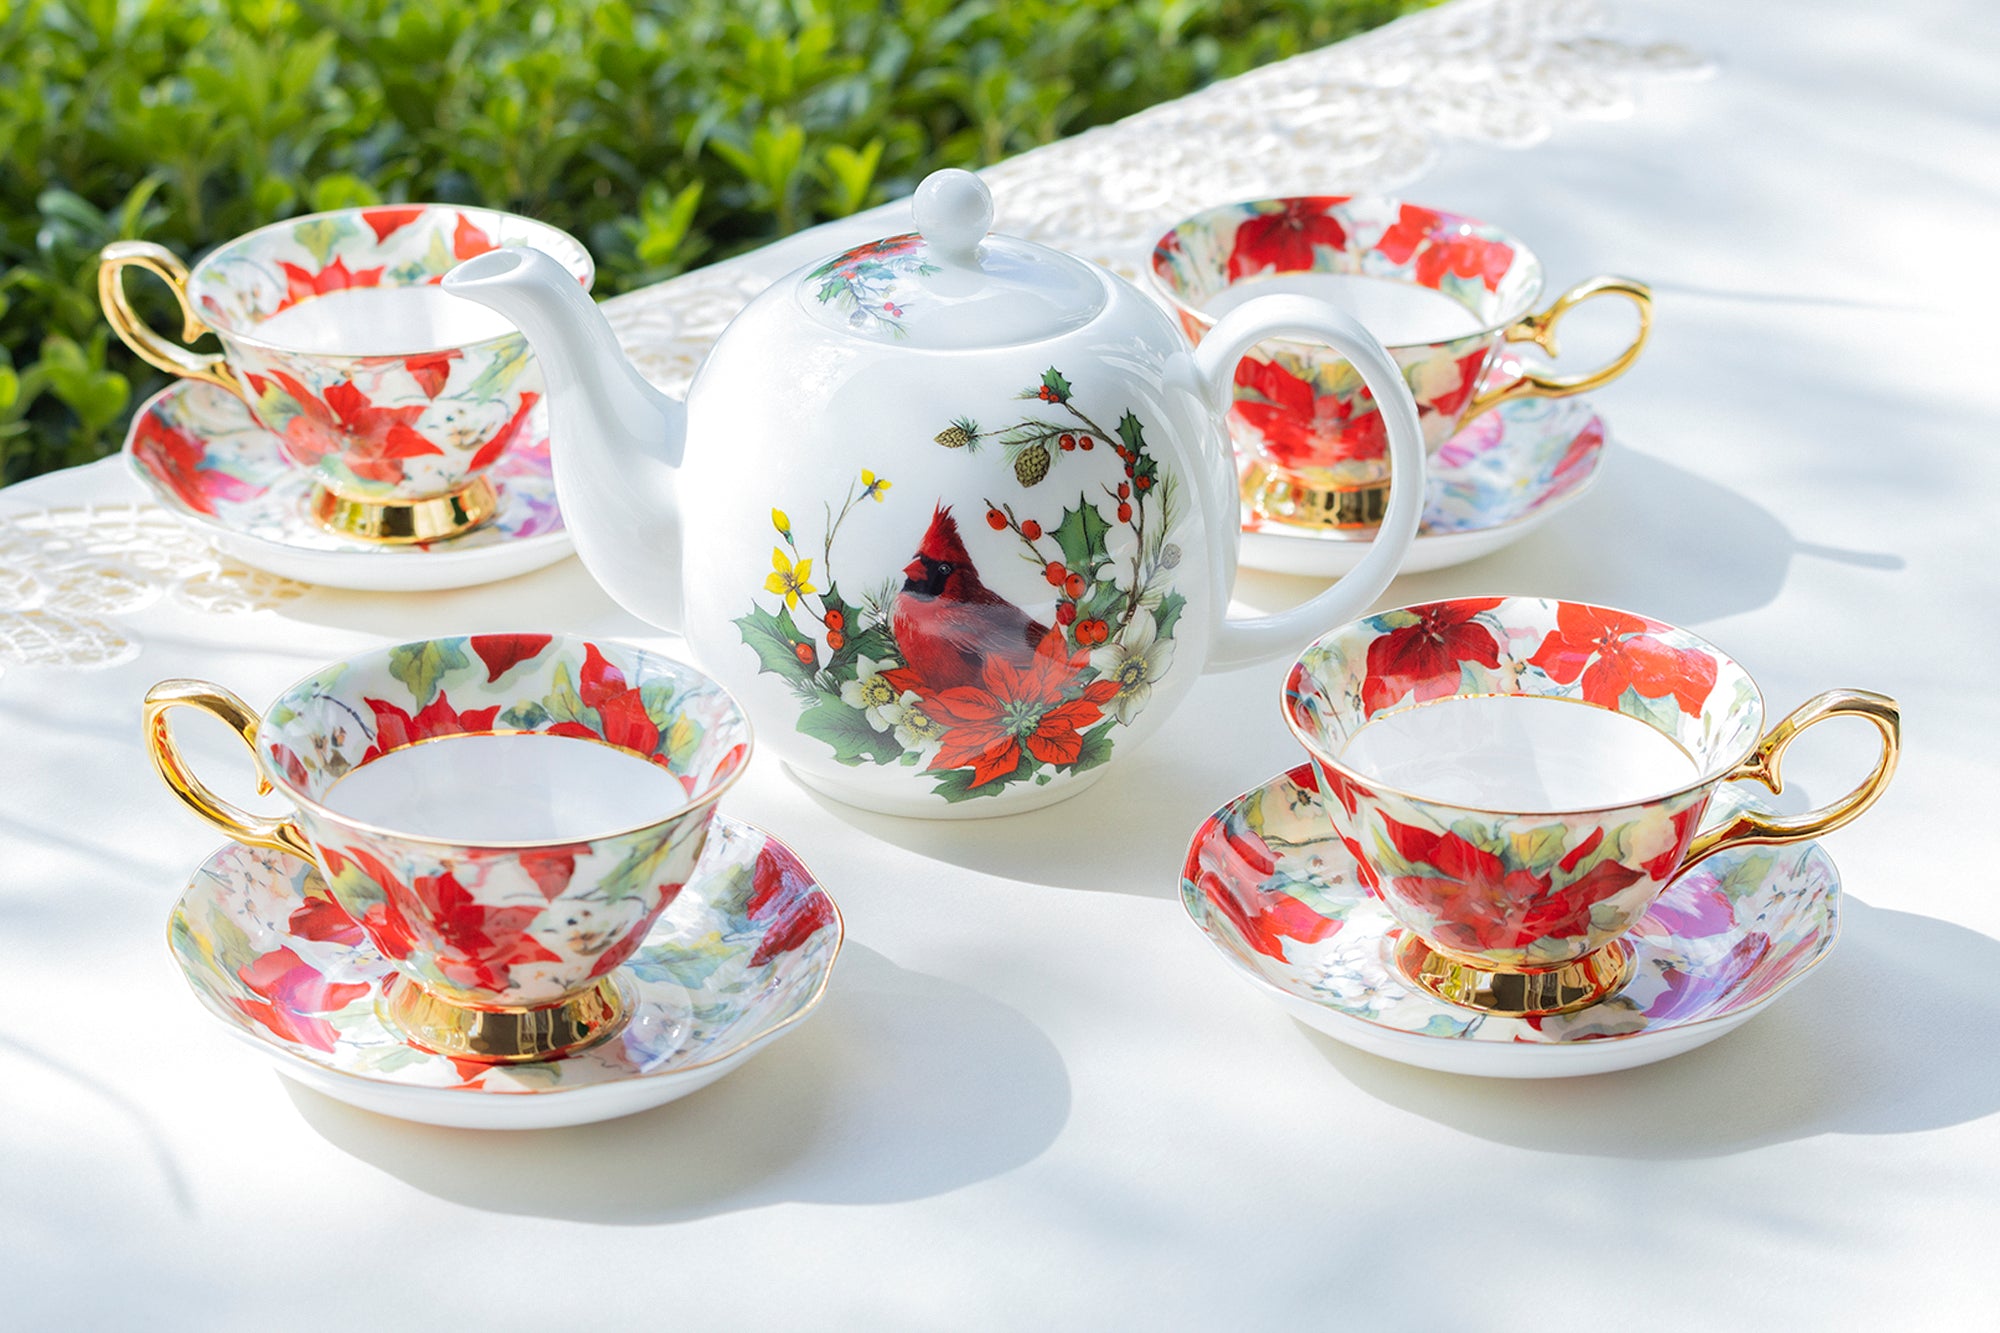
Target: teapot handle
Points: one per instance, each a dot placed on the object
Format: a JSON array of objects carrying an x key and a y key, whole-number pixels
[{"x": 1250, "y": 639}]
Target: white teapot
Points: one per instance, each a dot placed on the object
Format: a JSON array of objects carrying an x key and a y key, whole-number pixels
[{"x": 953, "y": 515}]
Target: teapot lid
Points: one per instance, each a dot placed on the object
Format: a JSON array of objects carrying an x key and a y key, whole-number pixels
[{"x": 950, "y": 285}]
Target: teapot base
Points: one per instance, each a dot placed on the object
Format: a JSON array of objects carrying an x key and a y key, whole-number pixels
[{"x": 923, "y": 805}]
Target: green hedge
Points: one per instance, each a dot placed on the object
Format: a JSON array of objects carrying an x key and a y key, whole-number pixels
[{"x": 665, "y": 135}]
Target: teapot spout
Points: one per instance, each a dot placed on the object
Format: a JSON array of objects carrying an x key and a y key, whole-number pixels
[{"x": 616, "y": 441}]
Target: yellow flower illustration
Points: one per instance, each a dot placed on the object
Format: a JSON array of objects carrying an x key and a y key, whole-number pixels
[
  {"x": 781, "y": 522},
  {"x": 788, "y": 580},
  {"x": 872, "y": 486}
]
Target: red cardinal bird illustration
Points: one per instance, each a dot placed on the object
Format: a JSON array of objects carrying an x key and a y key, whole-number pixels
[{"x": 947, "y": 622}]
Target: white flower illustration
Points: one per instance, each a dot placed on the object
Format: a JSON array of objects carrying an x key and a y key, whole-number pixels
[{"x": 1137, "y": 659}]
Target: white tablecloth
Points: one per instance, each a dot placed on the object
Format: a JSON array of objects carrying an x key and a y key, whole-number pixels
[{"x": 1033, "y": 1097}]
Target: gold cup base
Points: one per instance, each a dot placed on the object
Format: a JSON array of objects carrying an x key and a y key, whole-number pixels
[
  {"x": 1589, "y": 980},
  {"x": 396, "y": 523},
  {"x": 1288, "y": 497},
  {"x": 503, "y": 1036}
]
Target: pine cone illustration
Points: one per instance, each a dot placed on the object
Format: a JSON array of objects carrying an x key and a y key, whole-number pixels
[
  {"x": 1031, "y": 464},
  {"x": 958, "y": 434}
]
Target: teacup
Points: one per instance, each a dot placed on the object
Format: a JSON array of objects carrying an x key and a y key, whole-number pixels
[
  {"x": 504, "y": 815},
  {"x": 396, "y": 394},
  {"x": 1443, "y": 293},
  {"x": 1519, "y": 778}
]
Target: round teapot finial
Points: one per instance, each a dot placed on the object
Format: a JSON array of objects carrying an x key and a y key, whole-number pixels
[{"x": 954, "y": 211}]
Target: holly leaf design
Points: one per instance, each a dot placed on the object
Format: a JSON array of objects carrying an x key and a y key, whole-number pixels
[
  {"x": 1134, "y": 436},
  {"x": 1096, "y": 746},
  {"x": 1169, "y": 613},
  {"x": 772, "y": 638},
  {"x": 1053, "y": 381},
  {"x": 847, "y": 732},
  {"x": 1081, "y": 536},
  {"x": 420, "y": 666}
]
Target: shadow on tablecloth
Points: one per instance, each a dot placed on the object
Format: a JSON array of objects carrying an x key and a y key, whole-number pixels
[
  {"x": 903, "y": 1087},
  {"x": 1892, "y": 1034}
]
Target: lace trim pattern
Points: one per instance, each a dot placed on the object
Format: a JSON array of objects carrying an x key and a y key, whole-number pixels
[{"x": 1370, "y": 114}]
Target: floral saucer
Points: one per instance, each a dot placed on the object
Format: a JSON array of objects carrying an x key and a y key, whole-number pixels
[
  {"x": 1270, "y": 883},
  {"x": 739, "y": 957},
  {"x": 1501, "y": 477},
  {"x": 196, "y": 447}
]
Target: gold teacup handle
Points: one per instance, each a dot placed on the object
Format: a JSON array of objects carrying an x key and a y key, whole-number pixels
[
  {"x": 1752, "y": 826},
  {"x": 278, "y": 835},
  {"x": 1540, "y": 329},
  {"x": 134, "y": 332}
]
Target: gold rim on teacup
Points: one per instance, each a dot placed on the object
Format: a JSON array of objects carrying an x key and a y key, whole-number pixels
[
  {"x": 1303, "y": 471},
  {"x": 1524, "y": 912},
  {"x": 398, "y": 441},
  {"x": 458, "y": 992}
]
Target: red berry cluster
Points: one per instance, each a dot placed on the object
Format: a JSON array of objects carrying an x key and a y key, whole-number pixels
[
  {"x": 836, "y": 622},
  {"x": 1090, "y": 633},
  {"x": 1049, "y": 395}
]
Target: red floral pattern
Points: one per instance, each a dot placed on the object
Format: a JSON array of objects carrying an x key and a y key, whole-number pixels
[
  {"x": 372, "y": 441},
  {"x": 503, "y": 652},
  {"x": 623, "y": 720},
  {"x": 395, "y": 728},
  {"x": 384, "y": 222},
  {"x": 1479, "y": 903},
  {"x": 176, "y": 458},
  {"x": 1299, "y": 427},
  {"x": 1232, "y": 871},
  {"x": 1424, "y": 658},
  {"x": 1611, "y": 652},
  {"x": 1444, "y": 248},
  {"x": 301, "y": 285},
  {"x": 988, "y": 726},
  {"x": 292, "y": 996},
  {"x": 1284, "y": 240}
]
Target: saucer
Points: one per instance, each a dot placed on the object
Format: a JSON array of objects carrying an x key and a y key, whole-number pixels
[
  {"x": 1501, "y": 477},
  {"x": 207, "y": 462},
  {"x": 738, "y": 958},
  {"x": 1273, "y": 887}
]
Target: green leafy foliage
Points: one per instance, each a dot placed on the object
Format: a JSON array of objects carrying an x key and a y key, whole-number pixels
[{"x": 662, "y": 134}]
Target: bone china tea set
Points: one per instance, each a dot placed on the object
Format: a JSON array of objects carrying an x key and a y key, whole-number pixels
[{"x": 953, "y": 518}]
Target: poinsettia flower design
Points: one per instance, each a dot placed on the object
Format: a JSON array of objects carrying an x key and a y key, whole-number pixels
[
  {"x": 1283, "y": 240},
  {"x": 431, "y": 369},
  {"x": 1479, "y": 903},
  {"x": 176, "y": 457},
  {"x": 301, "y": 285},
  {"x": 468, "y": 240},
  {"x": 1232, "y": 873},
  {"x": 291, "y": 996},
  {"x": 323, "y": 921},
  {"x": 989, "y": 725},
  {"x": 1302, "y": 428},
  {"x": 1423, "y": 658},
  {"x": 503, "y": 652},
  {"x": 1611, "y": 652},
  {"x": 506, "y": 435},
  {"x": 384, "y": 222},
  {"x": 374, "y": 440},
  {"x": 1444, "y": 248},
  {"x": 622, "y": 717},
  {"x": 783, "y": 898},
  {"x": 395, "y": 728}
]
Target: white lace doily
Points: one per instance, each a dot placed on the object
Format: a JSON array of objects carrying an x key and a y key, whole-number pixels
[{"x": 67, "y": 574}]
